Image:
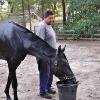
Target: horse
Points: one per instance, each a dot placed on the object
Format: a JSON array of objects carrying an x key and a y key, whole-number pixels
[
  {"x": 61, "y": 68},
  {"x": 16, "y": 42}
]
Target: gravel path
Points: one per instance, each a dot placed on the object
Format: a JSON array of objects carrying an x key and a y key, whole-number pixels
[{"x": 84, "y": 59}]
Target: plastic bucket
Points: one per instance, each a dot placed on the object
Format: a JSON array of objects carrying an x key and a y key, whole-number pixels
[{"x": 67, "y": 91}]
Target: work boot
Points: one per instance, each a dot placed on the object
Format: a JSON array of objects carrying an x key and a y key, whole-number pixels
[
  {"x": 46, "y": 95},
  {"x": 51, "y": 91}
]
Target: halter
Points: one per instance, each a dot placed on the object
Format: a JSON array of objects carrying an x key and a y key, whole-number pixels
[
  {"x": 65, "y": 77},
  {"x": 57, "y": 68}
]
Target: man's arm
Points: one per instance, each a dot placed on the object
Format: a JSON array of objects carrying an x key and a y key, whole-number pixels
[{"x": 41, "y": 32}]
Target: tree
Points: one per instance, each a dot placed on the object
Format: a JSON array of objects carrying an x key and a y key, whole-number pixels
[
  {"x": 84, "y": 17},
  {"x": 64, "y": 4},
  {"x": 29, "y": 14},
  {"x": 64, "y": 12},
  {"x": 23, "y": 11},
  {"x": 43, "y": 5},
  {"x": 3, "y": 10}
]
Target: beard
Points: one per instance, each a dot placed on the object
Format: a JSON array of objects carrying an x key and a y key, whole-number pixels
[{"x": 49, "y": 23}]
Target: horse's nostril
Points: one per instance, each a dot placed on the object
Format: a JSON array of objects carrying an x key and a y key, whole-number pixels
[
  {"x": 66, "y": 77},
  {"x": 55, "y": 63}
]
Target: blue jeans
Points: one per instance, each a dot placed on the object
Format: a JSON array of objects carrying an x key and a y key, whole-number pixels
[{"x": 45, "y": 75}]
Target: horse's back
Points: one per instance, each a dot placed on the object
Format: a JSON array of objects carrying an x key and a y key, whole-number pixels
[
  {"x": 6, "y": 29},
  {"x": 10, "y": 42}
]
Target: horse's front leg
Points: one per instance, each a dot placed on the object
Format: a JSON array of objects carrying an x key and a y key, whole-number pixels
[{"x": 8, "y": 86}]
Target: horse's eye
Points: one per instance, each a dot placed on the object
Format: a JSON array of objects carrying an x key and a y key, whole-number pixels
[{"x": 55, "y": 63}]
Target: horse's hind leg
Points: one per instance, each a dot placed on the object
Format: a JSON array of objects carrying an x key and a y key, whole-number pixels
[
  {"x": 14, "y": 86},
  {"x": 8, "y": 86},
  {"x": 12, "y": 79},
  {"x": 14, "y": 65}
]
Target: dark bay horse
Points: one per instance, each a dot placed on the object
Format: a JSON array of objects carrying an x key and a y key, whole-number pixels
[{"x": 16, "y": 42}]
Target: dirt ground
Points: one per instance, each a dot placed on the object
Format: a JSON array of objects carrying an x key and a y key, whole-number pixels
[{"x": 84, "y": 59}]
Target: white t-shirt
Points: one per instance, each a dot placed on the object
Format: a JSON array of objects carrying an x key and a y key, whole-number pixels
[{"x": 46, "y": 32}]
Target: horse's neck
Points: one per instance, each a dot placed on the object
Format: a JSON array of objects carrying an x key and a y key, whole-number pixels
[
  {"x": 38, "y": 47},
  {"x": 34, "y": 44}
]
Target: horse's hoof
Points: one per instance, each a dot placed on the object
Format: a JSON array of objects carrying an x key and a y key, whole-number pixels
[
  {"x": 15, "y": 98},
  {"x": 9, "y": 98}
]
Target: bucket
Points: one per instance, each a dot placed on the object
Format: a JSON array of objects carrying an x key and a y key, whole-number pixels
[{"x": 67, "y": 91}]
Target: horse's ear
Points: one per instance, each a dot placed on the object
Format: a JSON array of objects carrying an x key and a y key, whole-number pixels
[
  {"x": 59, "y": 49},
  {"x": 63, "y": 48}
]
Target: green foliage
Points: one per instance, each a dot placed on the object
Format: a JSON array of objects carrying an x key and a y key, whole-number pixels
[
  {"x": 84, "y": 17},
  {"x": 3, "y": 11},
  {"x": 43, "y": 5}
]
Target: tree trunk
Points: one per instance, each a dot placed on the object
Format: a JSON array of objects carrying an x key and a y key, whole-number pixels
[
  {"x": 64, "y": 12},
  {"x": 23, "y": 11},
  {"x": 29, "y": 15},
  {"x": 42, "y": 5}
]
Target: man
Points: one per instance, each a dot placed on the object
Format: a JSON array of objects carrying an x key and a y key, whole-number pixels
[{"x": 46, "y": 32}]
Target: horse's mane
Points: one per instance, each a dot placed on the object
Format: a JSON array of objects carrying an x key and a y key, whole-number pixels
[
  {"x": 33, "y": 34},
  {"x": 38, "y": 42}
]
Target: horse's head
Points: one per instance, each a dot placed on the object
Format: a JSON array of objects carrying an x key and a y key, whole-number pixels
[{"x": 61, "y": 68}]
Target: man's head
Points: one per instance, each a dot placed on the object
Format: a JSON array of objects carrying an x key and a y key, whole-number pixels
[{"x": 48, "y": 17}]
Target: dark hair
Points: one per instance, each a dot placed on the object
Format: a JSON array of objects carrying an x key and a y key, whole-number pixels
[{"x": 47, "y": 13}]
